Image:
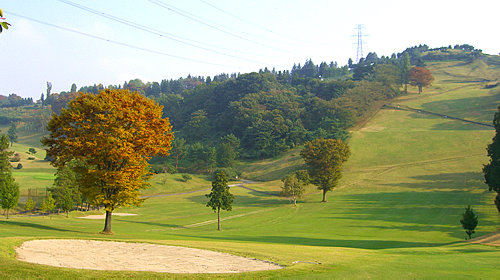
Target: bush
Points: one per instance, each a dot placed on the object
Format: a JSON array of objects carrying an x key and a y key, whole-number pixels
[
  {"x": 16, "y": 158},
  {"x": 19, "y": 166},
  {"x": 31, "y": 158},
  {"x": 169, "y": 168},
  {"x": 32, "y": 151},
  {"x": 186, "y": 177}
]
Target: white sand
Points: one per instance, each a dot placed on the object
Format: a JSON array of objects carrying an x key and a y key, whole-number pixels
[
  {"x": 103, "y": 216},
  {"x": 106, "y": 255}
]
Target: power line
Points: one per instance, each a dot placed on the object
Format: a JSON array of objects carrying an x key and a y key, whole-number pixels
[
  {"x": 154, "y": 31},
  {"x": 250, "y": 23},
  {"x": 119, "y": 43},
  {"x": 198, "y": 20}
]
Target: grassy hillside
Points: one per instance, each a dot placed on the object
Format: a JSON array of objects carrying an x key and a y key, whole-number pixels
[{"x": 395, "y": 216}]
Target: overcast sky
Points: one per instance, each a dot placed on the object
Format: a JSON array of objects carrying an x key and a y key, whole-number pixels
[{"x": 172, "y": 39}]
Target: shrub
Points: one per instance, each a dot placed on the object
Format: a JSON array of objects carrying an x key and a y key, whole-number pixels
[
  {"x": 31, "y": 158},
  {"x": 186, "y": 177},
  {"x": 169, "y": 168},
  {"x": 16, "y": 158},
  {"x": 19, "y": 166},
  {"x": 32, "y": 151}
]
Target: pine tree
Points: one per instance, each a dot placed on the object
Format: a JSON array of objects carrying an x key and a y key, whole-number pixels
[
  {"x": 469, "y": 221},
  {"x": 220, "y": 197},
  {"x": 9, "y": 189}
]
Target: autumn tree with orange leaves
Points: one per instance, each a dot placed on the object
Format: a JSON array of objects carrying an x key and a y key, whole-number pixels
[
  {"x": 112, "y": 135},
  {"x": 420, "y": 77}
]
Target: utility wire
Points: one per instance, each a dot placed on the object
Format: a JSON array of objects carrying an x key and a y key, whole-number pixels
[
  {"x": 154, "y": 31},
  {"x": 198, "y": 20},
  {"x": 249, "y": 22},
  {"x": 119, "y": 43}
]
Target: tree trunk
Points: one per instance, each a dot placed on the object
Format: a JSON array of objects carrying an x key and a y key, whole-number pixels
[
  {"x": 406, "y": 88},
  {"x": 218, "y": 218},
  {"x": 7, "y": 213},
  {"x": 107, "y": 223},
  {"x": 176, "y": 161},
  {"x": 324, "y": 196},
  {"x": 419, "y": 89},
  {"x": 294, "y": 202}
]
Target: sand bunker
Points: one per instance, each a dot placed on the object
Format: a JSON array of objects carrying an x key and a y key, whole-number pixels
[
  {"x": 106, "y": 255},
  {"x": 103, "y": 216}
]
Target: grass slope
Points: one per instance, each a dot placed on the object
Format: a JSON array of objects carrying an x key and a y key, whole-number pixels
[{"x": 395, "y": 216}]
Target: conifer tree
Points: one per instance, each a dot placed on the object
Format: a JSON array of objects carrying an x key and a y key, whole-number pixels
[
  {"x": 220, "y": 198},
  {"x": 469, "y": 221},
  {"x": 9, "y": 189}
]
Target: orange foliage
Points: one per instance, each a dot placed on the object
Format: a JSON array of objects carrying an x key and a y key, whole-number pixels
[
  {"x": 112, "y": 134},
  {"x": 420, "y": 77}
]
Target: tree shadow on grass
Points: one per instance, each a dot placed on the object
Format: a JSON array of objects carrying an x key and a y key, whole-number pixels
[
  {"x": 256, "y": 199},
  {"x": 323, "y": 242},
  {"x": 152, "y": 224},
  {"x": 36, "y": 226}
]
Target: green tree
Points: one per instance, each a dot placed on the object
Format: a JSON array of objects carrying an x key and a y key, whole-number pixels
[
  {"x": 324, "y": 159},
  {"x": 9, "y": 189},
  {"x": 491, "y": 170},
  {"x": 32, "y": 151},
  {"x": 179, "y": 150},
  {"x": 3, "y": 24},
  {"x": 112, "y": 134},
  {"x": 48, "y": 204},
  {"x": 404, "y": 69},
  {"x": 420, "y": 77},
  {"x": 469, "y": 221},
  {"x": 65, "y": 191},
  {"x": 220, "y": 197},
  {"x": 292, "y": 188},
  {"x": 30, "y": 205},
  {"x": 48, "y": 90},
  {"x": 226, "y": 155},
  {"x": 12, "y": 134}
]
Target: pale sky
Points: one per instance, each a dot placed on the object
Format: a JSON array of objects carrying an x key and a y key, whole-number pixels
[{"x": 230, "y": 35}]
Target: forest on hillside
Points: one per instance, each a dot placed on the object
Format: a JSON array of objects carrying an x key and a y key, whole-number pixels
[{"x": 262, "y": 114}]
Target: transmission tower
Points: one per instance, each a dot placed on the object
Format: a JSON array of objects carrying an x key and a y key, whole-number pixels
[
  {"x": 359, "y": 51},
  {"x": 359, "y": 43}
]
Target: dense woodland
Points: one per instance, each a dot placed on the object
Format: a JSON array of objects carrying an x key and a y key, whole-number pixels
[{"x": 258, "y": 115}]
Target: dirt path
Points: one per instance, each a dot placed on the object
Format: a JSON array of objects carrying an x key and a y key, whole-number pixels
[
  {"x": 108, "y": 255},
  {"x": 492, "y": 239}
]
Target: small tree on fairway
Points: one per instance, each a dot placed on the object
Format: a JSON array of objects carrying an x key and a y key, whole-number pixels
[
  {"x": 30, "y": 205},
  {"x": 9, "y": 189},
  {"x": 420, "y": 77},
  {"x": 469, "y": 221},
  {"x": 491, "y": 170},
  {"x": 324, "y": 159},
  {"x": 220, "y": 197},
  {"x": 48, "y": 204},
  {"x": 12, "y": 134},
  {"x": 292, "y": 188},
  {"x": 32, "y": 151}
]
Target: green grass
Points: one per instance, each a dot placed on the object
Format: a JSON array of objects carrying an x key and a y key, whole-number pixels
[{"x": 395, "y": 215}]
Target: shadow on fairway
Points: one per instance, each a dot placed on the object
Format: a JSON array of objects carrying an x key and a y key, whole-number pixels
[
  {"x": 36, "y": 226},
  {"x": 322, "y": 242}
]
